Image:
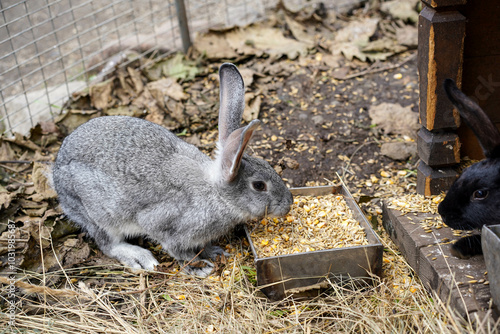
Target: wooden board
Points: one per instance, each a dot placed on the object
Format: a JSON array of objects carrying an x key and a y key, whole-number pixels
[
  {"x": 452, "y": 279},
  {"x": 481, "y": 66}
]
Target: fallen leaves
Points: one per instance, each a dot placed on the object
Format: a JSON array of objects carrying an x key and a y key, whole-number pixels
[
  {"x": 392, "y": 118},
  {"x": 41, "y": 181},
  {"x": 255, "y": 40},
  {"x": 176, "y": 67}
]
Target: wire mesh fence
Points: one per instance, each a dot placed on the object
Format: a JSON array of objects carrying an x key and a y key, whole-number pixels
[{"x": 51, "y": 48}]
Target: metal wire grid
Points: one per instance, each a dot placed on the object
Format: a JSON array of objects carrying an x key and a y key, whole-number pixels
[{"x": 51, "y": 48}]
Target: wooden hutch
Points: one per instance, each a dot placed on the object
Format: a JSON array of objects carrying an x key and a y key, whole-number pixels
[{"x": 458, "y": 39}]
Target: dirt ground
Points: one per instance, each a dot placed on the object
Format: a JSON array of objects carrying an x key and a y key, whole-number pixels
[{"x": 335, "y": 125}]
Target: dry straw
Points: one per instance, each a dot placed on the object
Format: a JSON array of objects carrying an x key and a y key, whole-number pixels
[{"x": 110, "y": 300}]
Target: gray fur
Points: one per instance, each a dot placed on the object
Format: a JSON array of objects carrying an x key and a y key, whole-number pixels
[{"x": 120, "y": 177}]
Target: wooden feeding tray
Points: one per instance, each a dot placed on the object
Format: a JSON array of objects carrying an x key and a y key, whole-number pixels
[{"x": 305, "y": 274}]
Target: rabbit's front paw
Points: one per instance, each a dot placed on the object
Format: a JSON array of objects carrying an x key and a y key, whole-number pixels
[
  {"x": 202, "y": 268},
  {"x": 133, "y": 256},
  {"x": 466, "y": 247},
  {"x": 211, "y": 252}
]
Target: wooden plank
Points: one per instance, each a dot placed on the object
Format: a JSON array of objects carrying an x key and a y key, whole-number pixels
[
  {"x": 452, "y": 279},
  {"x": 481, "y": 83},
  {"x": 481, "y": 67},
  {"x": 409, "y": 236},
  {"x": 438, "y": 150},
  {"x": 483, "y": 30}
]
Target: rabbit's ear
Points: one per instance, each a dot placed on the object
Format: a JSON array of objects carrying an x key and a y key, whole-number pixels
[
  {"x": 232, "y": 151},
  {"x": 232, "y": 100},
  {"x": 484, "y": 129}
]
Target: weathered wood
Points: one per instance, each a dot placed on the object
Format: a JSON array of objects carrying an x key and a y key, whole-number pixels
[
  {"x": 434, "y": 181},
  {"x": 409, "y": 236},
  {"x": 443, "y": 3},
  {"x": 452, "y": 279},
  {"x": 441, "y": 37},
  {"x": 438, "y": 149},
  {"x": 481, "y": 67}
]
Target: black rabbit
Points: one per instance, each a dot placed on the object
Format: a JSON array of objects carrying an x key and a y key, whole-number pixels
[{"x": 474, "y": 199}]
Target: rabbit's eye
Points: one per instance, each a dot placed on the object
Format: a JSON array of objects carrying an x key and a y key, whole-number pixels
[
  {"x": 479, "y": 195},
  {"x": 259, "y": 185}
]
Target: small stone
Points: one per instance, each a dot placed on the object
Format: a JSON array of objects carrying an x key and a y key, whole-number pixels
[
  {"x": 399, "y": 150},
  {"x": 317, "y": 120}
]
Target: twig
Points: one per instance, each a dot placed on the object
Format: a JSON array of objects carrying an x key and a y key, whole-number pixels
[
  {"x": 376, "y": 70},
  {"x": 8, "y": 168},
  {"x": 29, "y": 288},
  {"x": 354, "y": 153},
  {"x": 15, "y": 161}
]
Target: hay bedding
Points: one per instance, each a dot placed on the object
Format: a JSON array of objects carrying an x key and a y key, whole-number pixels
[{"x": 315, "y": 125}]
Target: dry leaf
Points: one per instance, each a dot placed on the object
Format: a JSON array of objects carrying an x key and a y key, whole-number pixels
[
  {"x": 72, "y": 119},
  {"x": 407, "y": 36},
  {"x": 6, "y": 151},
  {"x": 299, "y": 31},
  {"x": 253, "y": 40},
  {"x": 135, "y": 77},
  {"x": 41, "y": 176},
  {"x": 156, "y": 117},
  {"x": 166, "y": 87},
  {"x": 252, "y": 107},
  {"x": 23, "y": 142},
  {"x": 100, "y": 94},
  {"x": 270, "y": 41},
  {"x": 247, "y": 75},
  {"x": 5, "y": 199},
  {"x": 393, "y": 118},
  {"x": 350, "y": 40},
  {"x": 401, "y": 9},
  {"x": 214, "y": 46},
  {"x": 130, "y": 110}
]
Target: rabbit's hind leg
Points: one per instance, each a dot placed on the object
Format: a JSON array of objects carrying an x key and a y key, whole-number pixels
[
  {"x": 111, "y": 243},
  {"x": 130, "y": 255}
]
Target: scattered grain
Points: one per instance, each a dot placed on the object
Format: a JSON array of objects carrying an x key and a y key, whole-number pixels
[{"x": 313, "y": 223}]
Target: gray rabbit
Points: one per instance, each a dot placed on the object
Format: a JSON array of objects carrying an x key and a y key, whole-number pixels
[{"x": 119, "y": 177}]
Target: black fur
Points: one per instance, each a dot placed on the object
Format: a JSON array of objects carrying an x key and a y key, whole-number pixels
[
  {"x": 474, "y": 199},
  {"x": 460, "y": 210},
  {"x": 467, "y": 247}
]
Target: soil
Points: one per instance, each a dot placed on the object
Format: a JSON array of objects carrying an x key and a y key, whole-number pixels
[{"x": 342, "y": 129}]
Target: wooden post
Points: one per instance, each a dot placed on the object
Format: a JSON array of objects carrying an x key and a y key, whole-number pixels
[
  {"x": 183, "y": 25},
  {"x": 441, "y": 33}
]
